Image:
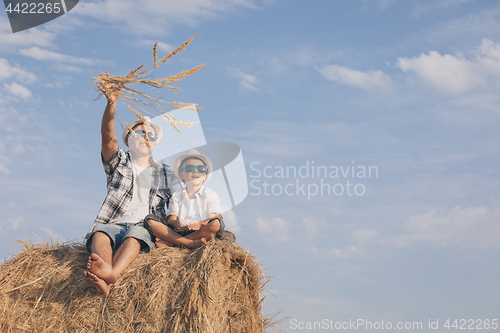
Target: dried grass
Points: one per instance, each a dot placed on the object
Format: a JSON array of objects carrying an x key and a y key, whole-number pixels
[
  {"x": 216, "y": 288},
  {"x": 140, "y": 77}
]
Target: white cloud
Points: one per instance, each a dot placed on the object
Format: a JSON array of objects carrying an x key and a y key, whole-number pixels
[
  {"x": 301, "y": 56},
  {"x": 17, "y": 90},
  {"x": 7, "y": 71},
  {"x": 230, "y": 220},
  {"x": 163, "y": 48},
  {"x": 11, "y": 224},
  {"x": 448, "y": 74},
  {"x": 385, "y": 3},
  {"x": 362, "y": 236},
  {"x": 10, "y": 41},
  {"x": 313, "y": 226},
  {"x": 371, "y": 80},
  {"x": 3, "y": 169},
  {"x": 454, "y": 74},
  {"x": 273, "y": 230},
  {"x": 424, "y": 8},
  {"x": 148, "y": 16},
  {"x": 40, "y": 54},
  {"x": 66, "y": 68},
  {"x": 460, "y": 227},
  {"x": 489, "y": 56},
  {"x": 335, "y": 252},
  {"x": 53, "y": 236},
  {"x": 247, "y": 81},
  {"x": 307, "y": 55}
]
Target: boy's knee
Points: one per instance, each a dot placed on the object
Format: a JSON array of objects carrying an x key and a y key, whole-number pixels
[
  {"x": 214, "y": 224},
  {"x": 150, "y": 220}
]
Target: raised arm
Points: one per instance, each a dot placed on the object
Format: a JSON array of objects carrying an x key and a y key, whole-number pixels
[{"x": 109, "y": 140}]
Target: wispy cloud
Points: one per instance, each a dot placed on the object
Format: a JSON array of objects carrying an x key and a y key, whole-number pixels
[
  {"x": 41, "y": 54},
  {"x": 273, "y": 230},
  {"x": 458, "y": 227},
  {"x": 247, "y": 82},
  {"x": 53, "y": 236},
  {"x": 363, "y": 236},
  {"x": 454, "y": 74},
  {"x": 313, "y": 226},
  {"x": 371, "y": 80},
  {"x": 335, "y": 252},
  {"x": 4, "y": 160},
  {"x": 162, "y": 47},
  {"x": 424, "y": 8},
  {"x": 361, "y": 240},
  {"x": 7, "y": 71},
  {"x": 34, "y": 36},
  {"x": 230, "y": 220},
  {"x": 11, "y": 224},
  {"x": 158, "y": 16},
  {"x": 66, "y": 68},
  {"x": 17, "y": 90},
  {"x": 448, "y": 74}
]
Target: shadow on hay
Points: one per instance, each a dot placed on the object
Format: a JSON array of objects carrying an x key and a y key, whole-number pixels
[{"x": 216, "y": 288}]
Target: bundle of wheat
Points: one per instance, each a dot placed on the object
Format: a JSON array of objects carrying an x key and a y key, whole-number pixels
[
  {"x": 135, "y": 99},
  {"x": 216, "y": 288}
]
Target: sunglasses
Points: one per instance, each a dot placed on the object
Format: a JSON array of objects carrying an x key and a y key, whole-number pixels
[
  {"x": 151, "y": 135},
  {"x": 190, "y": 168}
]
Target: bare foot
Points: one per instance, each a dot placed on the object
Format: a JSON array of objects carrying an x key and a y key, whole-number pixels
[
  {"x": 197, "y": 243},
  {"x": 101, "y": 269},
  {"x": 160, "y": 243},
  {"x": 101, "y": 286}
]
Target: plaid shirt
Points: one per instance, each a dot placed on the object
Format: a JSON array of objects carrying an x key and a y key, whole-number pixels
[{"x": 120, "y": 176}]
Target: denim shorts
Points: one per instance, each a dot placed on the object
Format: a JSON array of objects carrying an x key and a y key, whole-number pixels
[
  {"x": 117, "y": 232},
  {"x": 155, "y": 217}
]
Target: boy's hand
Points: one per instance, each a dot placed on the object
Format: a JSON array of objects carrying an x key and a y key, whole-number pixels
[
  {"x": 194, "y": 225},
  {"x": 112, "y": 92},
  {"x": 185, "y": 228}
]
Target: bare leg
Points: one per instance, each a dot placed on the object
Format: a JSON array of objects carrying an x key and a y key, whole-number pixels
[
  {"x": 101, "y": 286},
  {"x": 100, "y": 260},
  {"x": 168, "y": 235},
  {"x": 125, "y": 255},
  {"x": 101, "y": 245},
  {"x": 110, "y": 271}
]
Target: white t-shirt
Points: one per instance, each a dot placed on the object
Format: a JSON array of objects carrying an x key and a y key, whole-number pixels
[
  {"x": 138, "y": 207},
  {"x": 188, "y": 210}
]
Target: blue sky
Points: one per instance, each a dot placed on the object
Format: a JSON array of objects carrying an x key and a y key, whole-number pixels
[{"x": 409, "y": 87}]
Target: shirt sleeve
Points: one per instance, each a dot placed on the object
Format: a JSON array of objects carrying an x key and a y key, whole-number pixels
[
  {"x": 173, "y": 206},
  {"x": 115, "y": 160}
]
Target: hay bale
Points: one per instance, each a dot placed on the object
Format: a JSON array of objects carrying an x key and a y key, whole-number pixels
[{"x": 216, "y": 288}]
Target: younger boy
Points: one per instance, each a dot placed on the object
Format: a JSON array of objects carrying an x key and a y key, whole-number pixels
[{"x": 194, "y": 213}]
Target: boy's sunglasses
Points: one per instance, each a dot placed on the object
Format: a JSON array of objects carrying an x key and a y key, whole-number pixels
[
  {"x": 190, "y": 168},
  {"x": 151, "y": 135}
]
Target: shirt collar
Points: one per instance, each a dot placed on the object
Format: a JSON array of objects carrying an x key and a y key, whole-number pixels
[
  {"x": 200, "y": 193},
  {"x": 154, "y": 164}
]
